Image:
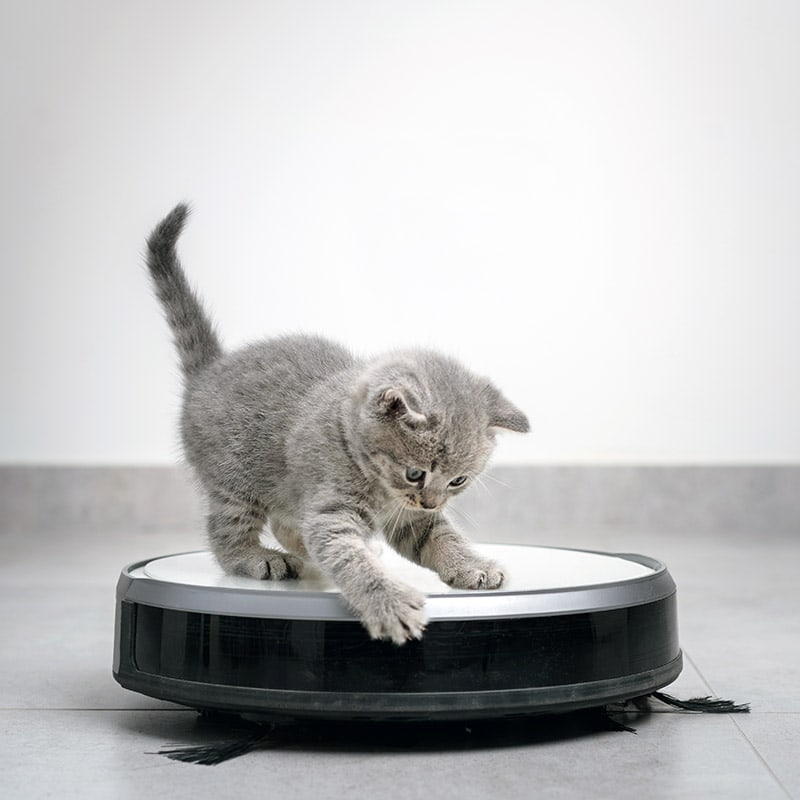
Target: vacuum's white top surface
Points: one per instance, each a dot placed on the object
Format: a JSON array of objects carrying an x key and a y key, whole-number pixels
[{"x": 527, "y": 569}]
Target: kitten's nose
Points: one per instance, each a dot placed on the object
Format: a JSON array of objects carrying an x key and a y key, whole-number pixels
[{"x": 428, "y": 505}]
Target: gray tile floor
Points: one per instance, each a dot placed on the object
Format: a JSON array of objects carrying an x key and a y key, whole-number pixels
[{"x": 68, "y": 730}]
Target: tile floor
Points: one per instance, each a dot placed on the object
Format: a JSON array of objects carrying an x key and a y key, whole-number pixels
[{"x": 68, "y": 730}]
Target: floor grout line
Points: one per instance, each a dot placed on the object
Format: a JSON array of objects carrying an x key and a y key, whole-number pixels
[
  {"x": 694, "y": 666},
  {"x": 761, "y": 758},
  {"x": 738, "y": 727}
]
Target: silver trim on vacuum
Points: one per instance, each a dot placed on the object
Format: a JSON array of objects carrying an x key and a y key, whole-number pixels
[{"x": 135, "y": 586}]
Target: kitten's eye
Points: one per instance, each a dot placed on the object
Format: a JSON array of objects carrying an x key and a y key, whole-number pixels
[
  {"x": 414, "y": 475},
  {"x": 459, "y": 481}
]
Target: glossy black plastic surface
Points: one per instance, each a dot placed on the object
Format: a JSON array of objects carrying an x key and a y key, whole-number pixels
[
  {"x": 480, "y": 655},
  {"x": 464, "y": 668}
]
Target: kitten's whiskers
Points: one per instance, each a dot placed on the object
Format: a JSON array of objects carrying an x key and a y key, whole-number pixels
[
  {"x": 394, "y": 518},
  {"x": 478, "y": 479},
  {"x": 465, "y": 515},
  {"x": 496, "y": 480}
]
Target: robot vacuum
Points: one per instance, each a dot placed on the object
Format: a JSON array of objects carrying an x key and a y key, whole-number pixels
[{"x": 569, "y": 629}]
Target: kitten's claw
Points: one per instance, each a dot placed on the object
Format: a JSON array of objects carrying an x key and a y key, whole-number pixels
[
  {"x": 263, "y": 564},
  {"x": 397, "y": 613},
  {"x": 483, "y": 575},
  {"x": 281, "y": 567}
]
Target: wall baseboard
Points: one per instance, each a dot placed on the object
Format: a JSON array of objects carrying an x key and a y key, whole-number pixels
[
  {"x": 676, "y": 499},
  {"x": 96, "y": 498},
  {"x": 752, "y": 499}
]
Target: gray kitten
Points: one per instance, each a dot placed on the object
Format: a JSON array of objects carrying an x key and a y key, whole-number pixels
[{"x": 330, "y": 449}]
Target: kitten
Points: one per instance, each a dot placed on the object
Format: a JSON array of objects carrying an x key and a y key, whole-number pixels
[{"x": 328, "y": 449}]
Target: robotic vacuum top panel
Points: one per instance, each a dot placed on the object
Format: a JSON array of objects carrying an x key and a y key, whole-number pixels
[{"x": 539, "y": 581}]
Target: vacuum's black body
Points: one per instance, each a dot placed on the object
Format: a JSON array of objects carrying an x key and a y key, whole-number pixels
[{"x": 569, "y": 629}]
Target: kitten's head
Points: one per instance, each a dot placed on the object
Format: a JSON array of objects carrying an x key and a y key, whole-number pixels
[{"x": 426, "y": 426}]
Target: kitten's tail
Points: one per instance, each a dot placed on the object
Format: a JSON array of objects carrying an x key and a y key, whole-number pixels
[{"x": 191, "y": 326}]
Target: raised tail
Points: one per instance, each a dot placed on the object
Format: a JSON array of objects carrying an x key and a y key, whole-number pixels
[{"x": 191, "y": 326}]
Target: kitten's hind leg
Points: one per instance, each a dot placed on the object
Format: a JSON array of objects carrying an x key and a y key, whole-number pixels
[{"x": 233, "y": 533}]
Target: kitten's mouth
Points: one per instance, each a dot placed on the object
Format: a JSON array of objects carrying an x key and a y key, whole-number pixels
[{"x": 418, "y": 505}]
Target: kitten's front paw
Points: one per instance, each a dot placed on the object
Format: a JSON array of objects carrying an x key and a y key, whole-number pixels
[
  {"x": 397, "y": 612},
  {"x": 474, "y": 575}
]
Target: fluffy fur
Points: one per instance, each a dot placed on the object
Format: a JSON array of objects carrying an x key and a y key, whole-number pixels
[{"x": 327, "y": 449}]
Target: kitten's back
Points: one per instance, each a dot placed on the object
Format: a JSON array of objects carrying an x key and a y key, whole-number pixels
[{"x": 239, "y": 410}]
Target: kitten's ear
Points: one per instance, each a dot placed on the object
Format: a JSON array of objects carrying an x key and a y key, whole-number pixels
[
  {"x": 504, "y": 414},
  {"x": 400, "y": 403}
]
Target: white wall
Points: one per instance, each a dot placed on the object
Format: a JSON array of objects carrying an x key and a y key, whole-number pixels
[{"x": 596, "y": 203}]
